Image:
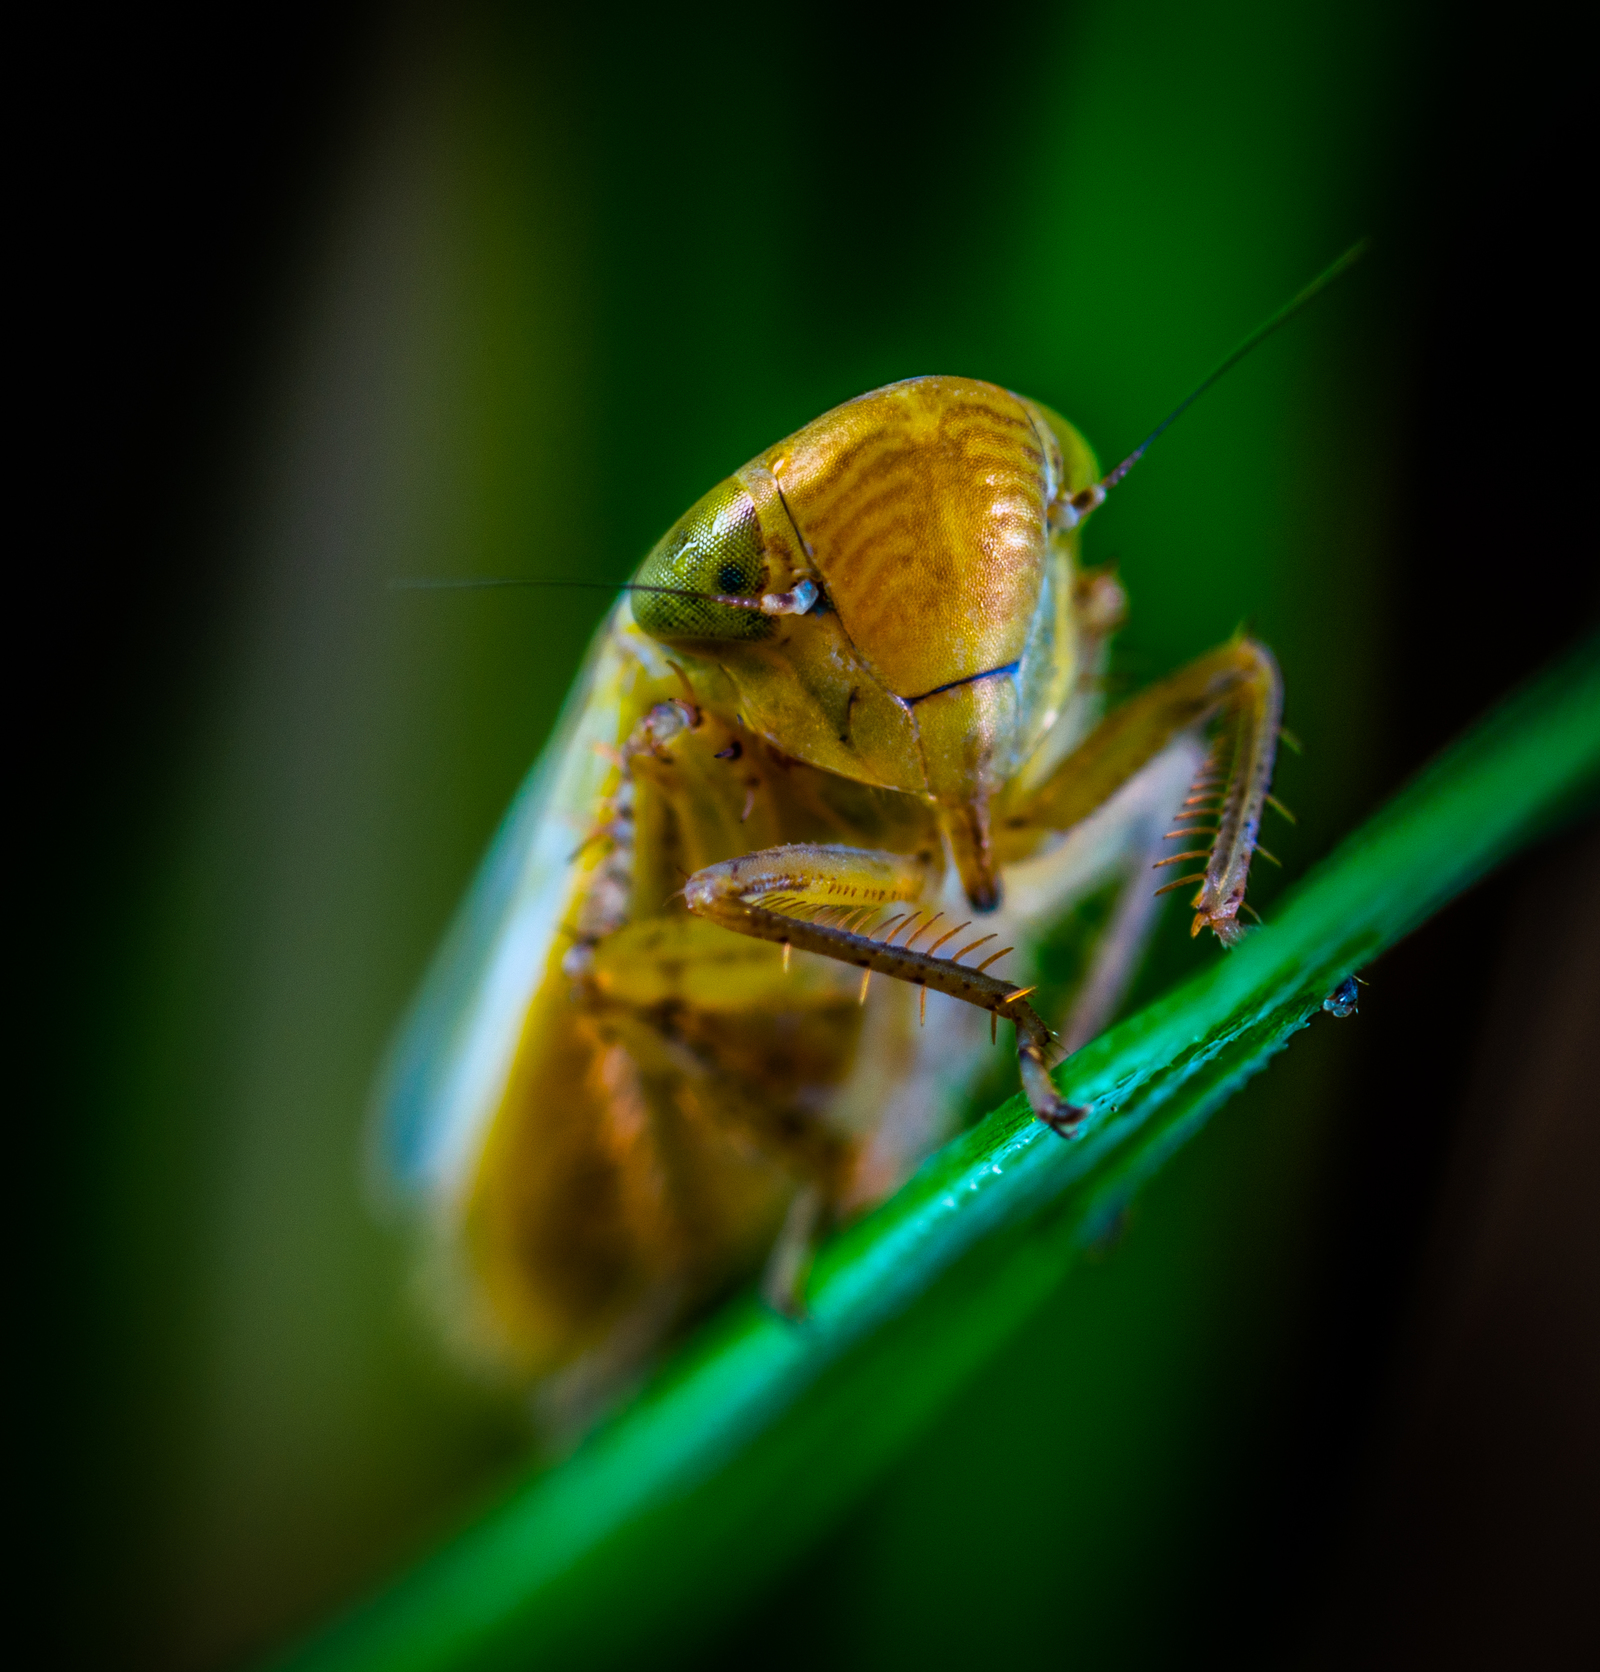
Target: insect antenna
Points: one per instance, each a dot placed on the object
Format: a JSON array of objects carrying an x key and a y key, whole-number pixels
[
  {"x": 800, "y": 601},
  {"x": 1087, "y": 498},
  {"x": 487, "y": 583}
]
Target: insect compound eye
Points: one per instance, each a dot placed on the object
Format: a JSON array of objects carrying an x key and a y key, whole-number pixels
[{"x": 715, "y": 546}]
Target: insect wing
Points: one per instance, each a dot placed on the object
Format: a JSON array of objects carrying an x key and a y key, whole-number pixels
[{"x": 445, "y": 1072}]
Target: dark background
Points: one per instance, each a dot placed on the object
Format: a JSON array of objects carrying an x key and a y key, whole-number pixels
[{"x": 1380, "y": 1445}]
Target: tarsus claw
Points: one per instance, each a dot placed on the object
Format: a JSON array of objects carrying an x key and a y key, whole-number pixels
[
  {"x": 1062, "y": 1117},
  {"x": 1066, "y": 1118}
]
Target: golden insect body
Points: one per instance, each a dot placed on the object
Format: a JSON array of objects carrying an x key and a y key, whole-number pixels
[{"x": 848, "y": 726}]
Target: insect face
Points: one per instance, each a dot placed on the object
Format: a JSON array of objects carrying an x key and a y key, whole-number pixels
[{"x": 933, "y": 519}]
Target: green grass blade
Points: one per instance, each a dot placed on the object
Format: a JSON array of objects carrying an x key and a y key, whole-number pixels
[{"x": 762, "y": 1430}]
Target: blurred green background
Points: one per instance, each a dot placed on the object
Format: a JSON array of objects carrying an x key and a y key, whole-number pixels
[{"x": 548, "y": 276}]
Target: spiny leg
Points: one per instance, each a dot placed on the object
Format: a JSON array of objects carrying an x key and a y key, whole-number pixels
[
  {"x": 806, "y": 895},
  {"x": 1239, "y": 686}
]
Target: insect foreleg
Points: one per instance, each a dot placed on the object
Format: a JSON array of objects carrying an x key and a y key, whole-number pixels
[
  {"x": 1238, "y": 686},
  {"x": 841, "y": 903}
]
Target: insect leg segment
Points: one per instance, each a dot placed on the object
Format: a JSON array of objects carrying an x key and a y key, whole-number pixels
[
  {"x": 606, "y": 900},
  {"x": 764, "y": 894},
  {"x": 1236, "y": 685}
]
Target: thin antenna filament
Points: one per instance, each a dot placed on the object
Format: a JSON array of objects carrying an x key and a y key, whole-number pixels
[
  {"x": 799, "y": 601},
  {"x": 1258, "y": 336},
  {"x": 480, "y": 583}
]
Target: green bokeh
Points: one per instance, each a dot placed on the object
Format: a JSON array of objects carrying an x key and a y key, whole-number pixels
[{"x": 573, "y": 274}]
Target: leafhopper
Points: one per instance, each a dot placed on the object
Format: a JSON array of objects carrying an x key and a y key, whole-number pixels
[{"x": 834, "y": 773}]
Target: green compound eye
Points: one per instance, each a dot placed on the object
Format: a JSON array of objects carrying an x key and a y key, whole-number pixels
[{"x": 715, "y": 546}]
